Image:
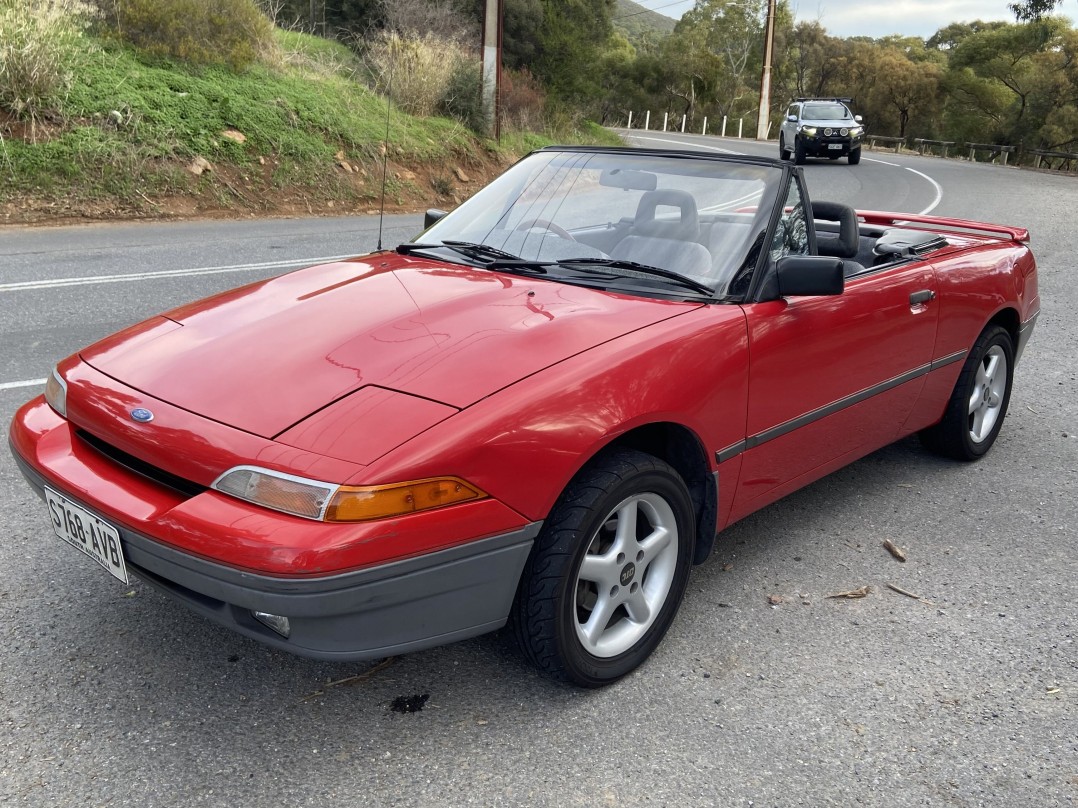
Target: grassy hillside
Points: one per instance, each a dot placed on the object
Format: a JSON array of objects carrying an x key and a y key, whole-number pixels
[{"x": 299, "y": 135}]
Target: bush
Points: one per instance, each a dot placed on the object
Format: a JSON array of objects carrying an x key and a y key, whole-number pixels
[
  {"x": 521, "y": 102},
  {"x": 40, "y": 44},
  {"x": 223, "y": 32},
  {"x": 463, "y": 97},
  {"x": 415, "y": 71}
]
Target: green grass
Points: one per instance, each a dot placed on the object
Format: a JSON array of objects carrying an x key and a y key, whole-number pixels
[{"x": 296, "y": 116}]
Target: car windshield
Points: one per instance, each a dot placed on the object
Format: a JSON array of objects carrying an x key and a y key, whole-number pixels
[
  {"x": 696, "y": 217},
  {"x": 825, "y": 112}
]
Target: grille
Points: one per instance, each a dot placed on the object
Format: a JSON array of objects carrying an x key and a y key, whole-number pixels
[{"x": 178, "y": 484}]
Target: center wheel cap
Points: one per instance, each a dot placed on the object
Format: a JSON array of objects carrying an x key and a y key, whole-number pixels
[{"x": 627, "y": 573}]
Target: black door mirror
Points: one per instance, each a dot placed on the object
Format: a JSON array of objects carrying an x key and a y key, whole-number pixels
[
  {"x": 810, "y": 275},
  {"x": 431, "y": 216}
]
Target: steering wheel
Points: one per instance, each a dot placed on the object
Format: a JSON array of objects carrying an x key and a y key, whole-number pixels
[{"x": 546, "y": 224}]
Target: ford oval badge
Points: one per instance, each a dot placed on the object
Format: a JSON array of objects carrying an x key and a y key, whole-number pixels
[{"x": 143, "y": 416}]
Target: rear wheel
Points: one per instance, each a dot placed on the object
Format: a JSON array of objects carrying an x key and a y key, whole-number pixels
[
  {"x": 855, "y": 156},
  {"x": 978, "y": 405},
  {"x": 608, "y": 570},
  {"x": 799, "y": 152}
]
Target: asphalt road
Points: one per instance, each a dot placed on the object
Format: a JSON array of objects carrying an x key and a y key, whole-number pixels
[{"x": 114, "y": 696}]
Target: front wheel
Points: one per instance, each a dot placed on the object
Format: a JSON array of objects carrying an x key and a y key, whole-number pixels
[
  {"x": 978, "y": 404},
  {"x": 799, "y": 152},
  {"x": 855, "y": 156},
  {"x": 784, "y": 153},
  {"x": 608, "y": 570}
]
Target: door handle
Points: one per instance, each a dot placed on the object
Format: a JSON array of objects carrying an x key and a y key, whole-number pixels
[{"x": 922, "y": 297}]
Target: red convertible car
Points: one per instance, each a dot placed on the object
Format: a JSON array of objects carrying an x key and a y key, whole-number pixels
[{"x": 538, "y": 414}]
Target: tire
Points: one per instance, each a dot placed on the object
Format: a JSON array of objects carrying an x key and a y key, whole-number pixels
[
  {"x": 784, "y": 153},
  {"x": 855, "y": 156},
  {"x": 592, "y": 604},
  {"x": 799, "y": 152},
  {"x": 978, "y": 405}
]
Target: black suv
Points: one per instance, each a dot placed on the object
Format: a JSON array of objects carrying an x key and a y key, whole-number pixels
[{"x": 821, "y": 127}]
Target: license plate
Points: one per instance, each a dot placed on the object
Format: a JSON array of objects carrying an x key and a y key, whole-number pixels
[
  {"x": 87, "y": 533},
  {"x": 834, "y": 145}
]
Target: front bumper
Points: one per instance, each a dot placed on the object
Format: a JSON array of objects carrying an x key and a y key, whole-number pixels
[
  {"x": 379, "y": 611},
  {"x": 824, "y": 146}
]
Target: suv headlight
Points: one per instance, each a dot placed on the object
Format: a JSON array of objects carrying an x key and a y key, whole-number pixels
[{"x": 808, "y": 130}]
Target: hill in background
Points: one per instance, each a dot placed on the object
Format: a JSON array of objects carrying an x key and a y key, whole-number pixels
[{"x": 637, "y": 22}]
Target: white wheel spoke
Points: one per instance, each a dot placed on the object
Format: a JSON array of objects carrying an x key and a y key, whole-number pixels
[
  {"x": 638, "y": 607},
  {"x": 975, "y": 400},
  {"x": 654, "y": 544},
  {"x": 625, "y": 536},
  {"x": 600, "y": 569},
  {"x": 599, "y": 618}
]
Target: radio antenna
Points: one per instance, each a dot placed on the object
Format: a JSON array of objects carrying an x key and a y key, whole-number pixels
[{"x": 385, "y": 158}]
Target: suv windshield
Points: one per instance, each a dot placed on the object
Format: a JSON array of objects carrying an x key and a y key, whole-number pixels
[
  {"x": 825, "y": 112},
  {"x": 696, "y": 217}
]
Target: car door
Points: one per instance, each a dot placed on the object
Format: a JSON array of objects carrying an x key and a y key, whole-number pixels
[{"x": 832, "y": 378}]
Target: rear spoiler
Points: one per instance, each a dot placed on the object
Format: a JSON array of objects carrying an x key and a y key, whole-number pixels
[{"x": 941, "y": 223}]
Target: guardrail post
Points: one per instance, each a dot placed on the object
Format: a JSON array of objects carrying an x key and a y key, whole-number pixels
[
  {"x": 724, "y": 126},
  {"x": 629, "y": 125},
  {"x": 666, "y": 115},
  {"x": 740, "y": 123},
  {"x": 647, "y": 121},
  {"x": 683, "y": 119},
  {"x": 705, "y": 126}
]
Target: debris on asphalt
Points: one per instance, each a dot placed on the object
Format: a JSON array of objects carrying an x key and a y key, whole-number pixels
[
  {"x": 902, "y": 591},
  {"x": 350, "y": 680},
  {"x": 853, "y": 594},
  {"x": 727, "y": 567},
  {"x": 409, "y": 704},
  {"x": 894, "y": 550},
  {"x": 775, "y": 600}
]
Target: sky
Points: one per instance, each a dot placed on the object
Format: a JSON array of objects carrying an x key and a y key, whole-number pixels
[{"x": 846, "y": 18}]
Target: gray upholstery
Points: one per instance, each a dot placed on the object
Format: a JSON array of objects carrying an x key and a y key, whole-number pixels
[
  {"x": 846, "y": 242},
  {"x": 686, "y": 257},
  {"x": 650, "y": 221}
]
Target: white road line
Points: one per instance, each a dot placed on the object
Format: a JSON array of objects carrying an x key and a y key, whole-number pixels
[
  {"x": 936, "y": 185},
  {"x": 56, "y": 283},
  {"x": 881, "y": 162},
  {"x": 27, "y": 383}
]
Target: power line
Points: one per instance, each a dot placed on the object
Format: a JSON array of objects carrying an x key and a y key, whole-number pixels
[{"x": 646, "y": 10}]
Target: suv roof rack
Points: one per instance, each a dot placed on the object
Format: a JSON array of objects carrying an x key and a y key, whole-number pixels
[{"x": 840, "y": 100}]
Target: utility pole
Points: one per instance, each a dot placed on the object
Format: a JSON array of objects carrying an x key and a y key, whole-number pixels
[
  {"x": 492, "y": 61},
  {"x": 763, "y": 121}
]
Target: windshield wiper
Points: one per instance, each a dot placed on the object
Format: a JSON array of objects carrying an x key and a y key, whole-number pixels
[
  {"x": 616, "y": 263},
  {"x": 469, "y": 249}
]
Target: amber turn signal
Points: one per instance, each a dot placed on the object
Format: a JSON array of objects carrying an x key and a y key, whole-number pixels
[{"x": 360, "y": 504}]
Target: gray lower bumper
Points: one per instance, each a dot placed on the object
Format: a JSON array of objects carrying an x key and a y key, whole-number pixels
[
  {"x": 382, "y": 611},
  {"x": 1024, "y": 333}
]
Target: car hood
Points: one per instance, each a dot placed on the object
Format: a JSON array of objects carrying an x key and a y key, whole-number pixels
[{"x": 266, "y": 356}]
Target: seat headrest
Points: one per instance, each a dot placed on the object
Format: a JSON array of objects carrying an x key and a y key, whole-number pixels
[
  {"x": 849, "y": 241},
  {"x": 685, "y": 228}
]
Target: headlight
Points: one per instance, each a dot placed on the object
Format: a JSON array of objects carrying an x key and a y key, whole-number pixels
[
  {"x": 808, "y": 130},
  {"x": 273, "y": 489},
  {"x": 313, "y": 499},
  {"x": 56, "y": 393},
  {"x": 856, "y": 130}
]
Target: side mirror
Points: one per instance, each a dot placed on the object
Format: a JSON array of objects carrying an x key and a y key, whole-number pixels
[
  {"x": 791, "y": 118},
  {"x": 431, "y": 216},
  {"x": 810, "y": 275},
  {"x": 857, "y": 118}
]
